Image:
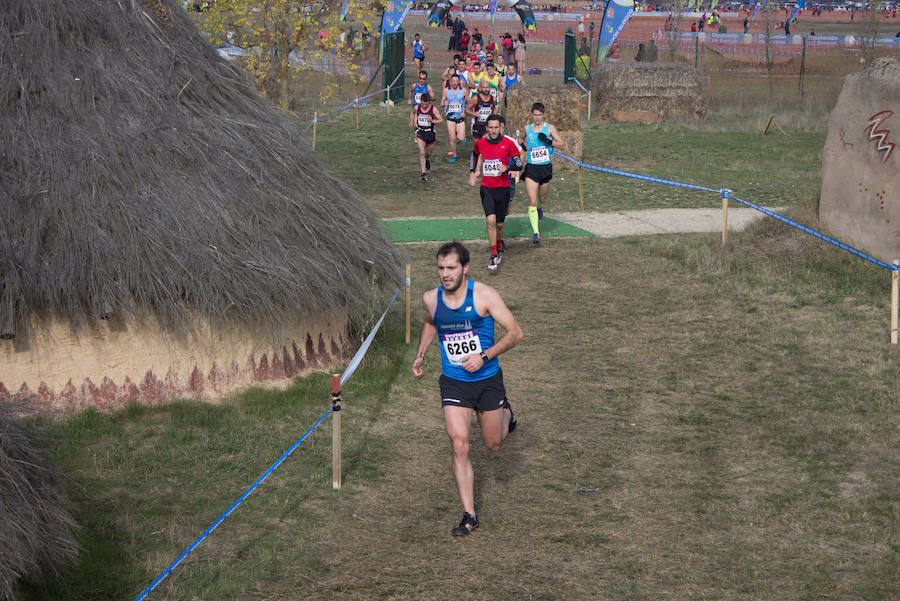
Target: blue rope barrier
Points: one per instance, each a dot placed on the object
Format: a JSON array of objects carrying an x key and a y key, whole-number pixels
[
  {"x": 349, "y": 105},
  {"x": 646, "y": 178},
  {"x": 219, "y": 520},
  {"x": 726, "y": 193},
  {"x": 815, "y": 234},
  {"x": 358, "y": 357}
]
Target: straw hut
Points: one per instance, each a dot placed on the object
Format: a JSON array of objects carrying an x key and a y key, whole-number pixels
[
  {"x": 563, "y": 111},
  {"x": 644, "y": 91},
  {"x": 164, "y": 232}
]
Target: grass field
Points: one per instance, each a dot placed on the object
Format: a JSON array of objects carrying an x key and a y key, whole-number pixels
[{"x": 695, "y": 423}]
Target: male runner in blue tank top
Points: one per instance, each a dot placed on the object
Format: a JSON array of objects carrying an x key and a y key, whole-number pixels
[{"x": 461, "y": 313}]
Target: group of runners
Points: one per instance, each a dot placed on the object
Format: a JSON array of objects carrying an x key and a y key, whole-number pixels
[
  {"x": 461, "y": 313},
  {"x": 476, "y": 95}
]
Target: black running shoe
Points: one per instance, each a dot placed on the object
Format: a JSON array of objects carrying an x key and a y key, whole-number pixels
[
  {"x": 469, "y": 522},
  {"x": 427, "y": 165},
  {"x": 513, "y": 422},
  {"x": 424, "y": 177}
]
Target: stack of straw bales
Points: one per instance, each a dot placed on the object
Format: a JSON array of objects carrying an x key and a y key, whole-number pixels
[
  {"x": 563, "y": 111},
  {"x": 647, "y": 92}
]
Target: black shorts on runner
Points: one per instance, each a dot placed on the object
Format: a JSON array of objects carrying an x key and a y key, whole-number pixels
[
  {"x": 429, "y": 137},
  {"x": 495, "y": 202},
  {"x": 539, "y": 173},
  {"x": 479, "y": 130},
  {"x": 456, "y": 120},
  {"x": 482, "y": 395}
]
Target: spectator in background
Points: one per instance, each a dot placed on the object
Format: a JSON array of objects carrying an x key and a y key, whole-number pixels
[
  {"x": 694, "y": 27},
  {"x": 464, "y": 40},
  {"x": 640, "y": 54},
  {"x": 520, "y": 54},
  {"x": 746, "y": 24},
  {"x": 508, "y": 48},
  {"x": 458, "y": 27},
  {"x": 477, "y": 38},
  {"x": 787, "y": 27}
]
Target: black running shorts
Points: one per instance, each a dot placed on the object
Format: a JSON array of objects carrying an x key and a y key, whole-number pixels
[
  {"x": 456, "y": 119},
  {"x": 429, "y": 137},
  {"x": 541, "y": 174},
  {"x": 479, "y": 129},
  {"x": 495, "y": 202},
  {"x": 483, "y": 395}
]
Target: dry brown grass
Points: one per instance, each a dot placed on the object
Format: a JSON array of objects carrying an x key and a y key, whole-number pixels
[{"x": 740, "y": 442}]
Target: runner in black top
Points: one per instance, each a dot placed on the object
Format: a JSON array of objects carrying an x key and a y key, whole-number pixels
[{"x": 423, "y": 118}]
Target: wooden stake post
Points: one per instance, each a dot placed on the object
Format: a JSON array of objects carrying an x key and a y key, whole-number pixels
[
  {"x": 580, "y": 187},
  {"x": 895, "y": 301},
  {"x": 356, "y": 106},
  {"x": 589, "y": 105},
  {"x": 725, "y": 194},
  {"x": 315, "y": 123},
  {"x": 336, "y": 431},
  {"x": 408, "y": 310}
]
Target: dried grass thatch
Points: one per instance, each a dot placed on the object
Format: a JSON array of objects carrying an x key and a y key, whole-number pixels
[
  {"x": 35, "y": 527},
  {"x": 669, "y": 90},
  {"x": 563, "y": 104},
  {"x": 141, "y": 175}
]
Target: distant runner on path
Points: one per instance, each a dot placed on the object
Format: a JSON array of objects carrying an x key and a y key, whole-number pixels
[
  {"x": 539, "y": 138},
  {"x": 462, "y": 312},
  {"x": 495, "y": 155}
]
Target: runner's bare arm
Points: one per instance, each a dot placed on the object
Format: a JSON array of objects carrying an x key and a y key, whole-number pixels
[
  {"x": 412, "y": 119},
  {"x": 429, "y": 299},
  {"x": 470, "y": 106},
  {"x": 489, "y": 302},
  {"x": 558, "y": 142}
]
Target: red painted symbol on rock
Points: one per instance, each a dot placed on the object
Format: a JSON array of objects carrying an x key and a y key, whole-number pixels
[{"x": 881, "y": 134}]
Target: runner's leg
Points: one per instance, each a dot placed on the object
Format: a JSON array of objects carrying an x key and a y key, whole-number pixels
[{"x": 458, "y": 421}]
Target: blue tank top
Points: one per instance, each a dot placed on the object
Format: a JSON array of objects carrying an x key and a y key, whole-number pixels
[
  {"x": 418, "y": 90},
  {"x": 456, "y": 103},
  {"x": 418, "y": 50},
  {"x": 463, "y": 332},
  {"x": 511, "y": 81},
  {"x": 538, "y": 152}
]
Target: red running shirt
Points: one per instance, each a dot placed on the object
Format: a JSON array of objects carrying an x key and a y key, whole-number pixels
[{"x": 493, "y": 156}]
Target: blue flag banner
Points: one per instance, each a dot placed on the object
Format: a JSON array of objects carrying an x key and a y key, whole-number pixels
[
  {"x": 394, "y": 13},
  {"x": 799, "y": 5},
  {"x": 615, "y": 16},
  {"x": 756, "y": 8},
  {"x": 493, "y": 6}
]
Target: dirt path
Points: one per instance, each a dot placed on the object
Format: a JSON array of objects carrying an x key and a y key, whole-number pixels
[{"x": 658, "y": 221}]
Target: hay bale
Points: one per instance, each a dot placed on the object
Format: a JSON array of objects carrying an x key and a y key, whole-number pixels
[
  {"x": 668, "y": 90},
  {"x": 36, "y": 539},
  {"x": 563, "y": 104},
  {"x": 860, "y": 201}
]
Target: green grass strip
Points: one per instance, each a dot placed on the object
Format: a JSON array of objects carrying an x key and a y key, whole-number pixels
[{"x": 427, "y": 230}]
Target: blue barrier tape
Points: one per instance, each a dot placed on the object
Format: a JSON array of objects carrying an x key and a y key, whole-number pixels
[
  {"x": 240, "y": 500},
  {"x": 580, "y": 86},
  {"x": 726, "y": 193},
  {"x": 646, "y": 178},
  {"x": 358, "y": 357},
  {"x": 344, "y": 108},
  {"x": 815, "y": 234}
]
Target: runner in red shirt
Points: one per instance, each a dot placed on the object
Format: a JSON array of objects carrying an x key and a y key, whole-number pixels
[{"x": 496, "y": 156}]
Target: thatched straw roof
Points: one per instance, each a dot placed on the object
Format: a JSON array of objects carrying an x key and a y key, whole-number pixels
[
  {"x": 141, "y": 175},
  {"x": 36, "y": 529}
]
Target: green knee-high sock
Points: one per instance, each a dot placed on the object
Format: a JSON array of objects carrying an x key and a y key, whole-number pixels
[{"x": 533, "y": 218}]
